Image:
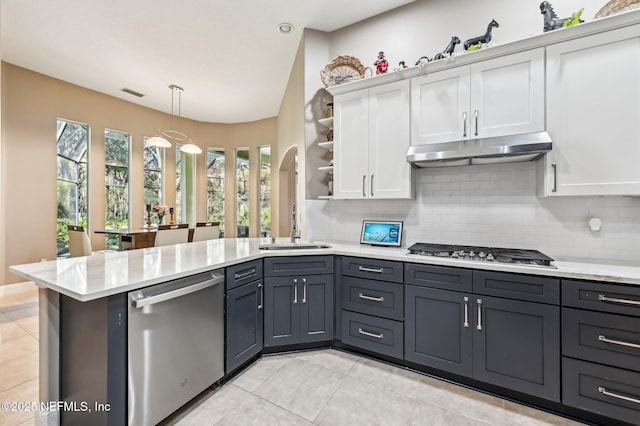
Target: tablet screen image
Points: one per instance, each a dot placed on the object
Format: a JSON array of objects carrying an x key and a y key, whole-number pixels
[{"x": 381, "y": 233}]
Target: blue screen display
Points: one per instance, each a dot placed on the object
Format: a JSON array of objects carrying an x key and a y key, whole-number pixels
[{"x": 384, "y": 233}]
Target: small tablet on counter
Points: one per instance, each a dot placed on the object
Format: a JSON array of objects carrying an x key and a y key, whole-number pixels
[{"x": 381, "y": 233}]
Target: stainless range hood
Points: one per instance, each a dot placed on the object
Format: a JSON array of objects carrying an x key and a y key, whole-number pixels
[{"x": 503, "y": 149}]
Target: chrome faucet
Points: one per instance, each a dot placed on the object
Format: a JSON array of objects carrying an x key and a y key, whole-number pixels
[{"x": 295, "y": 232}]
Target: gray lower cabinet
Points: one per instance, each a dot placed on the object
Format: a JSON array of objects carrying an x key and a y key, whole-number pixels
[
  {"x": 438, "y": 329},
  {"x": 510, "y": 343},
  {"x": 601, "y": 348},
  {"x": 372, "y": 305},
  {"x": 244, "y": 300},
  {"x": 298, "y": 309},
  {"x": 298, "y": 300}
]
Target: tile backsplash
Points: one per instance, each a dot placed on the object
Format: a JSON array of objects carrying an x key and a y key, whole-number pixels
[{"x": 494, "y": 205}]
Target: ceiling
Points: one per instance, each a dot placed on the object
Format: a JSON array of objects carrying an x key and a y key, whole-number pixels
[{"x": 227, "y": 55}]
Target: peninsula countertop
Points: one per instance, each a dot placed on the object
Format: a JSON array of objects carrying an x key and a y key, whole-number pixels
[{"x": 105, "y": 274}]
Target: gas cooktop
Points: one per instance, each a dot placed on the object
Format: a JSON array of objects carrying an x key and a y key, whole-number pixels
[{"x": 485, "y": 254}]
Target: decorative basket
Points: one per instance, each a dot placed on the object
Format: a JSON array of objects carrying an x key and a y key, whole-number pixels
[
  {"x": 343, "y": 69},
  {"x": 616, "y": 6}
]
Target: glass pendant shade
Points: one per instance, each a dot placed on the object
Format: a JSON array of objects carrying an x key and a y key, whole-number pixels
[
  {"x": 191, "y": 148},
  {"x": 158, "y": 141}
]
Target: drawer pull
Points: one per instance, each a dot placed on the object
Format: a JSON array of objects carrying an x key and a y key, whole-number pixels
[
  {"x": 604, "y": 298},
  {"x": 295, "y": 291},
  {"x": 617, "y": 395},
  {"x": 376, "y": 270},
  {"x": 249, "y": 272},
  {"x": 466, "y": 311},
  {"x": 479, "y": 325},
  {"x": 373, "y": 299},
  {"x": 618, "y": 342},
  {"x": 366, "y": 333}
]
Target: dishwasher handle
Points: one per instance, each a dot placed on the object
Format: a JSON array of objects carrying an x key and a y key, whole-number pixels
[{"x": 182, "y": 291}]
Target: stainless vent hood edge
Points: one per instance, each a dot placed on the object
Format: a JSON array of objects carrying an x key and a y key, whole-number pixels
[{"x": 503, "y": 149}]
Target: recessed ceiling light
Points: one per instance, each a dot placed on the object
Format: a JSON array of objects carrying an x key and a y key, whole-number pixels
[{"x": 285, "y": 28}]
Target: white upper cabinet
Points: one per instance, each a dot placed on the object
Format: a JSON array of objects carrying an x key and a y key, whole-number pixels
[
  {"x": 371, "y": 139},
  {"x": 495, "y": 97},
  {"x": 593, "y": 115}
]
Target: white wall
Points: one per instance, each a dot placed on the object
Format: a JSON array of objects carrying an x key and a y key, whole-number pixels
[{"x": 486, "y": 205}]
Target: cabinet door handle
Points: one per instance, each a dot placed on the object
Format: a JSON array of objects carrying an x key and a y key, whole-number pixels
[
  {"x": 618, "y": 342},
  {"x": 554, "y": 167},
  {"x": 604, "y": 391},
  {"x": 295, "y": 291},
  {"x": 475, "y": 113},
  {"x": 304, "y": 290},
  {"x": 366, "y": 333},
  {"x": 466, "y": 311},
  {"x": 372, "y": 185},
  {"x": 365, "y": 269},
  {"x": 364, "y": 179},
  {"x": 604, "y": 298},
  {"x": 248, "y": 273},
  {"x": 479, "y": 302},
  {"x": 464, "y": 124},
  {"x": 373, "y": 299},
  {"x": 261, "y": 287}
]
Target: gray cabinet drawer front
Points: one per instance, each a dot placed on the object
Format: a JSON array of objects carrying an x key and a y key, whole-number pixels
[
  {"x": 599, "y": 337},
  {"x": 375, "y": 269},
  {"x": 514, "y": 286},
  {"x": 379, "y": 335},
  {"x": 299, "y": 265},
  {"x": 601, "y": 389},
  {"x": 371, "y": 297},
  {"x": 243, "y": 273},
  {"x": 442, "y": 277},
  {"x": 614, "y": 298}
]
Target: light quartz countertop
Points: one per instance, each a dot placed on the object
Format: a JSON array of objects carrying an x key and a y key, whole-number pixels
[{"x": 105, "y": 274}]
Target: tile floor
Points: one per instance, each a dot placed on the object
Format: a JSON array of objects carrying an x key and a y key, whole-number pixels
[{"x": 324, "y": 387}]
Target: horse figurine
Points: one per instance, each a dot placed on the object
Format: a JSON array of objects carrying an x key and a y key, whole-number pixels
[
  {"x": 485, "y": 38},
  {"x": 551, "y": 20},
  {"x": 447, "y": 50}
]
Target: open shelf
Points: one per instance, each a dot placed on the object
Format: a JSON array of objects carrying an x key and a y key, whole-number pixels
[
  {"x": 326, "y": 122},
  {"x": 326, "y": 145},
  {"x": 328, "y": 169},
  {"x": 325, "y": 197}
]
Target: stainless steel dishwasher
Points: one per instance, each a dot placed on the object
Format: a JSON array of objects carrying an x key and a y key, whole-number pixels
[{"x": 176, "y": 344}]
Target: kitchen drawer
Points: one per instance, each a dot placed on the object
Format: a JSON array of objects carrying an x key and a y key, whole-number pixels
[
  {"x": 299, "y": 265},
  {"x": 243, "y": 273},
  {"x": 599, "y": 337},
  {"x": 375, "y": 269},
  {"x": 371, "y": 297},
  {"x": 442, "y": 277},
  {"x": 515, "y": 286},
  {"x": 380, "y": 335},
  {"x": 614, "y": 298},
  {"x": 608, "y": 391}
]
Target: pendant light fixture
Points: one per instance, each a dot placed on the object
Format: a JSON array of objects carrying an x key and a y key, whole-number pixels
[{"x": 161, "y": 140}]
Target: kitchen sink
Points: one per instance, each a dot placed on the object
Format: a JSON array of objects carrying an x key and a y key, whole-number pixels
[{"x": 293, "y": 246}]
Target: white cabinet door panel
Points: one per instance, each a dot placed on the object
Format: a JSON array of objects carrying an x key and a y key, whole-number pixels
[
  {"x": 350, "y": 147},
  {"x": 507, "y": 94},
  {"x": 389, "y": 172},
  {"x": 439, "y": 104},
  {"x": 593, "y": 115}
]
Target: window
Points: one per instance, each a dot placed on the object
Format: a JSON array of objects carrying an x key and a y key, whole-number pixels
[
  {"x": 117, "y": 182},
  {"x": 153, "y": 160},
  {"x": 179, "y": 185},
  {"x": 72, "y": 144},
  {"x": 215, "y": 185},
  {"x": 265, "y": 191},
  {"x": 242, "y": 191}
]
